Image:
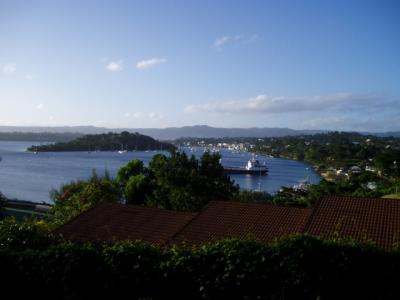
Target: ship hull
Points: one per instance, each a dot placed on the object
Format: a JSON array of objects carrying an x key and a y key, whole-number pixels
[{"x": 244, "y": 171}]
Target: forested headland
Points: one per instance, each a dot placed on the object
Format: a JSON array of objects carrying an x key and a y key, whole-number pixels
[{"x": 106, "y": 142}]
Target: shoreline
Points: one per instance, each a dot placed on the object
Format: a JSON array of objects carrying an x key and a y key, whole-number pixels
[{"x": 312, "y": 165}]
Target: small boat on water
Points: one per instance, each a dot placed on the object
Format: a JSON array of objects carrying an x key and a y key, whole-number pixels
[
  {"x": 253, "y": 167},
  {"x": 303, "y": 185}
]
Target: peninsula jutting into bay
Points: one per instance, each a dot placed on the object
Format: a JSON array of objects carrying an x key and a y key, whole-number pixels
[{"x": 123, "y": 141}]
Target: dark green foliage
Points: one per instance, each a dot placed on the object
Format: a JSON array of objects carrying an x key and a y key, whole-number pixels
[
  {"x": 366, "y": 184},
  {"x": 17, "y": 236},
  {"x": 388, "y": 162},
  {"x": 253, "y": 197},
  {"x": 176, "y": 182},
  {"x": 132, "y": 168},
  {"x": 134, "y": 270},
  {"x": 73, "y": 198},
  {"x": 234, "y": 269},
  {"x": 3, "y": 200},
  {"x": 291, "y": 197},
  {"x": 300, "y": 267},
  {"x": 63, "y": 271},
  {"x": 134, "y": 181},
  {"x": 338, "y": 150},
  {"x": 185, "y": 183},
  {"x": 137, "y": 189},
  {"x": 107, "y": 142}
]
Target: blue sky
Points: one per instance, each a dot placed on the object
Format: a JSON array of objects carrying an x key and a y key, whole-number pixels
[{"x": 298, "y": 64}]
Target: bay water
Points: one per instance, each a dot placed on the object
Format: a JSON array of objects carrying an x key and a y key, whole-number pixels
[{"x": 28, "y": 176}]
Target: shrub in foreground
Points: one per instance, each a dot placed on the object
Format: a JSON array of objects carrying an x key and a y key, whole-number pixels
[{"x": 300, "y": 267}]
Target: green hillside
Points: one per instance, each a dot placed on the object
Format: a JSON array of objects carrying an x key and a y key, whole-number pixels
[{"x": 106, "y": 142}]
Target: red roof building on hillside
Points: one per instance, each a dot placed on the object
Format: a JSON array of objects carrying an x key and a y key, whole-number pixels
[
  {"x": 112, "y": 221},
  {"x": 363, "y": 219},
  {"x": 373, "y": 220},
  {"x": 224, "y": 219},
  {"x": 220, "y": 219}
]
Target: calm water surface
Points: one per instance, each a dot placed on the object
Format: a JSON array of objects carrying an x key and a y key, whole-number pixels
[{"x": 26, "y": 176}]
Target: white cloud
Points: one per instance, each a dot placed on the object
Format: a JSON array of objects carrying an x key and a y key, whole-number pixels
[
  {"x": 115, "y": 66},
  {"x": 28, "y": 77},
  {"x": 135, "y": 115},
  {"x": 148, "y": 63},
  {"x": 40, "y": 106},
  {"x": 219, "y": 42},
  {"x": 51, "y": 118},
  {"x": 9, "y": 68},
  {"x": 222, "y": 41},
  {"x": 263, "y": 104},
  {"x": 155, "y": 116}
]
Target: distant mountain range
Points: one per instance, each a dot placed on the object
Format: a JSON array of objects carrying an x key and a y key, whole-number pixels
[{"x": 171, "y": 133}]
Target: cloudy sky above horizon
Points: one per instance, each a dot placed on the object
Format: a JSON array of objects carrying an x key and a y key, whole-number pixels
[{"x": 298, "y": 64}]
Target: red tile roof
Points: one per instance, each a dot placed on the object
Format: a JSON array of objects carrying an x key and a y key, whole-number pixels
[
  {"x": 363, "y": 219},
  {"x": 112, "y": 221},
  {"x": 222, "y": 219}
]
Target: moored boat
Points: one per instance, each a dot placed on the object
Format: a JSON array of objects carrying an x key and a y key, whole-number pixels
[{"x": 253, "y": 167}]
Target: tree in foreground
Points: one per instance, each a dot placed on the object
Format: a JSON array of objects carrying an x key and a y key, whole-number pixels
[
  {"x": 176, "y": 182},
  {"x": 77, "y": 196},
  {"x": 3, "y": 200}
]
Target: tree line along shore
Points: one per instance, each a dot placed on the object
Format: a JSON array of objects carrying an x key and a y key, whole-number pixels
[{"x": 123, "y": 141}]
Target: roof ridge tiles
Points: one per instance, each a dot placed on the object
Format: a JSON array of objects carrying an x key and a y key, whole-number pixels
[
  {"x": 73, "y": 219},
  {"x": 187, "y": 224},
  {"x": 362, "y": 219},
  {"x": 311, "y": 217}
]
